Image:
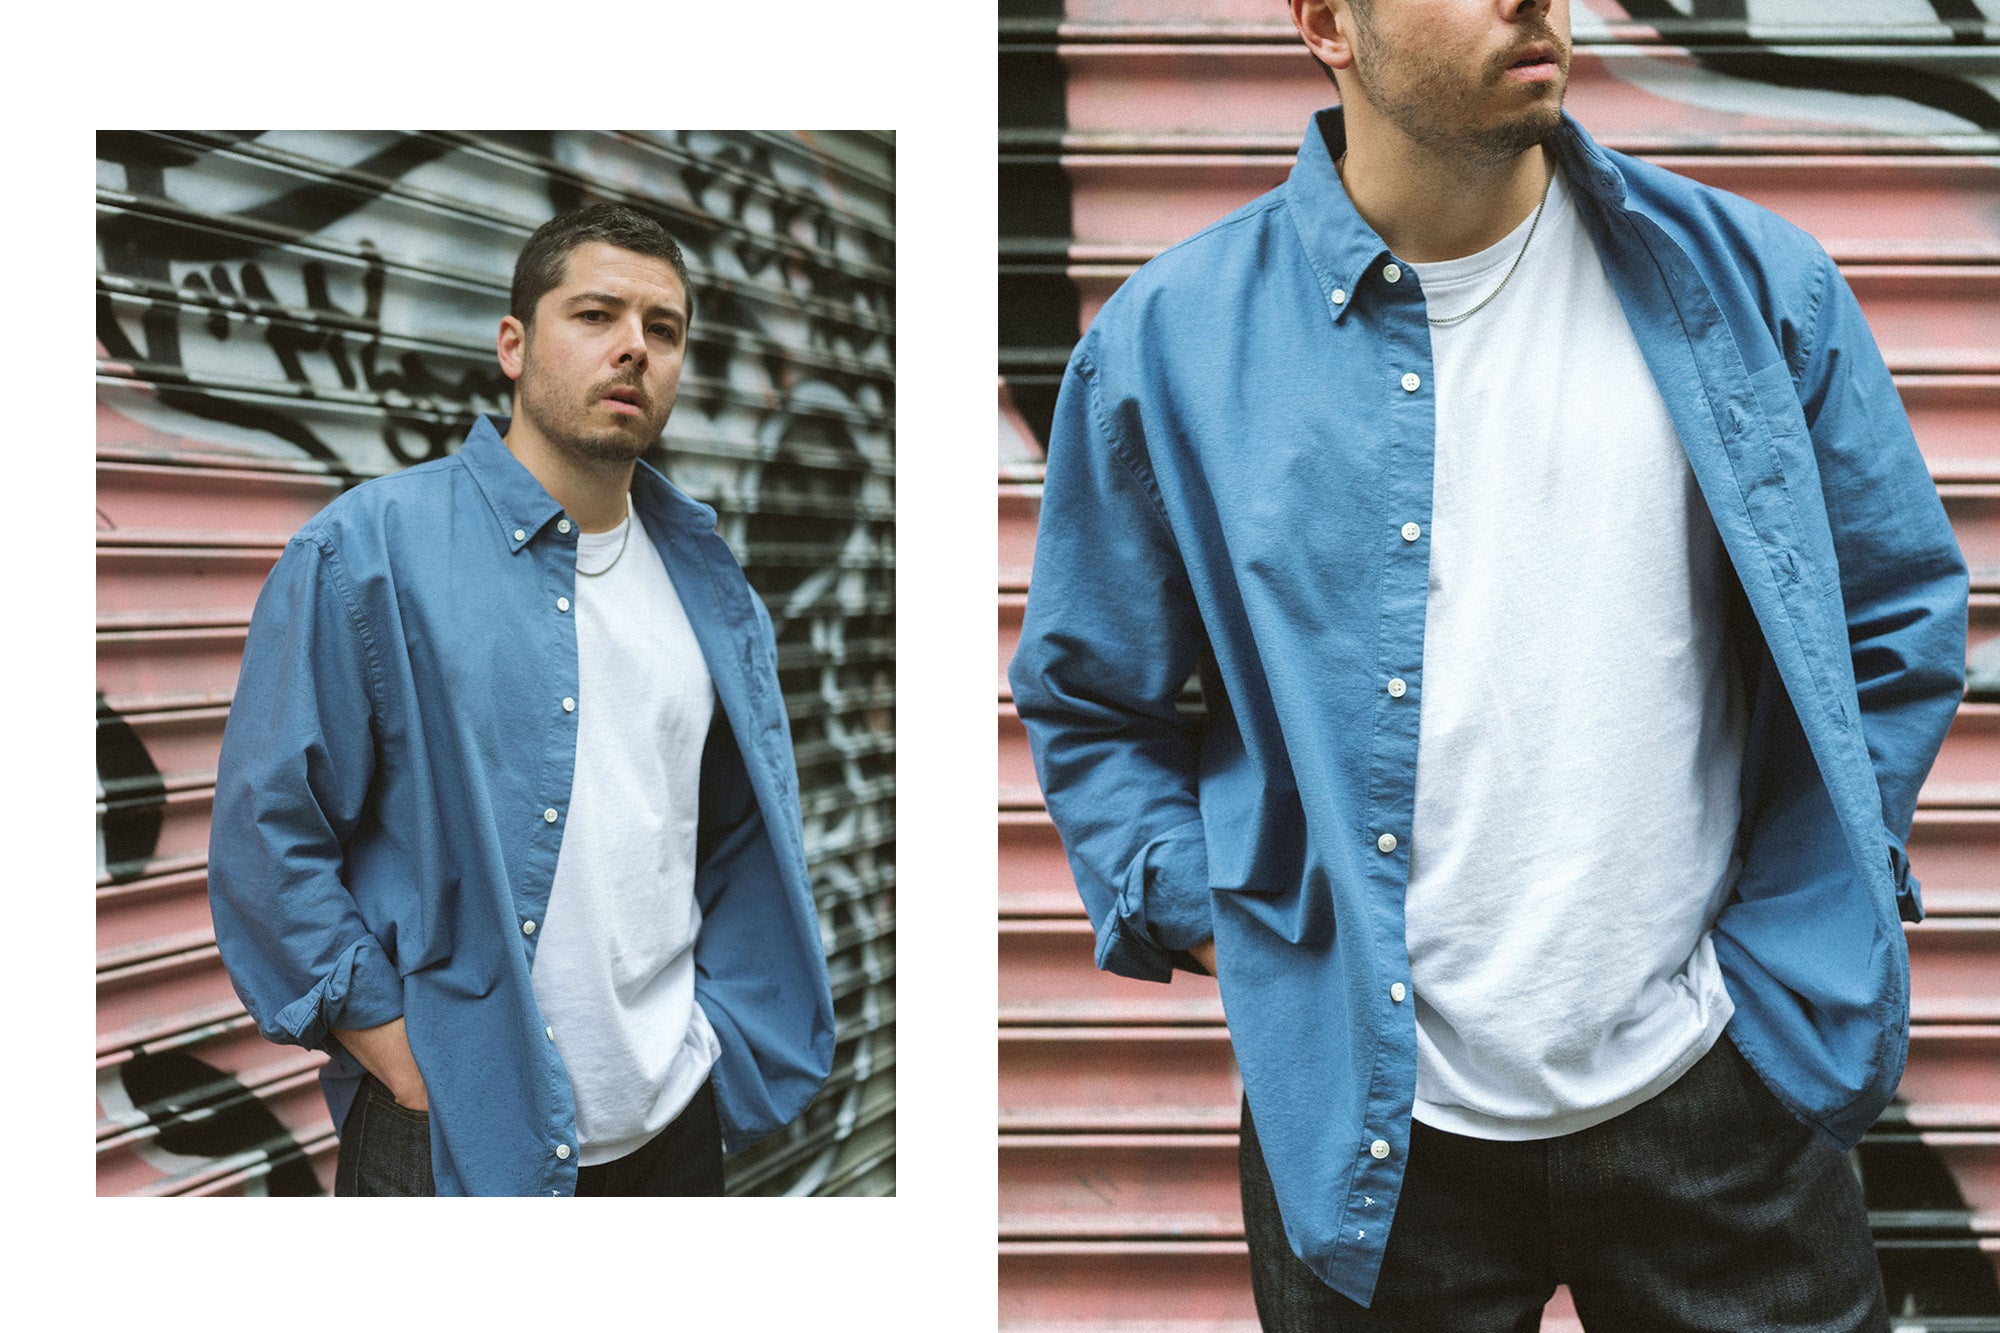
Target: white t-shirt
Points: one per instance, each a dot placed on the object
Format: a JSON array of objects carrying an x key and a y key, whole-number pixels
[
  {"x": 1582, "y": 735},
  {"x": 614, "y": 972}
]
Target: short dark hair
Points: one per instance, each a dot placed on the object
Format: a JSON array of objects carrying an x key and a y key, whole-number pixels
[{"x": 543, "y": 259}]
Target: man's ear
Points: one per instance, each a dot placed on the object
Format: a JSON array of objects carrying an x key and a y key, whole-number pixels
[
  {"x": 1327, "y": 28},
  {"x": 510, "y": 345}
]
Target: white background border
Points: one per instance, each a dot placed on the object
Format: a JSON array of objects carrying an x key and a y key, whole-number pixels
[{"x": 924, "y": 1260}]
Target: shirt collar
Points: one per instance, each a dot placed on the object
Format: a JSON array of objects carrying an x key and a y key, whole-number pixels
[
  {"x": 1342, "y": 247},
  {"x": 523, "y": 508}
]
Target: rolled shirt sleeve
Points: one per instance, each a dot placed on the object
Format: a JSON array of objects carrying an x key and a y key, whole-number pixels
[
  {"x": 292, "y": 782},
  {"x": 1110, "y": 636}
]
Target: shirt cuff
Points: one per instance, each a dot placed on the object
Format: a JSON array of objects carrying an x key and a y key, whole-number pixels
[
  {"x": 1164, "y": 907},
  {"x": 363, "y": 990}
]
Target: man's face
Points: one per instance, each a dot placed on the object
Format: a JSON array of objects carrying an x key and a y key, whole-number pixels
[
  {"x": 1478, "y": 79},
  {"x": 602, "y": 361}
]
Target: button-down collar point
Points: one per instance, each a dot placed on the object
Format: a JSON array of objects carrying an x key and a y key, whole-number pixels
[
  {"x": 520, "y": 534},
  {"x": 562, "y": 525},
  {"x": 1391, "y": 273},
  {"x": 1339, "y": 296}
]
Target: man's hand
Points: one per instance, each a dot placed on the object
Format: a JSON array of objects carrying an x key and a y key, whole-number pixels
[
  {"x": 1204, "y": 954},
  {"x": 385, "y": 1052}
]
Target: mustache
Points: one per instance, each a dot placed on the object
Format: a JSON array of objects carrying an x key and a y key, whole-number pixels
[
  {"x": 1541, "y": 35},
  {"x": 637, "y": 389}
]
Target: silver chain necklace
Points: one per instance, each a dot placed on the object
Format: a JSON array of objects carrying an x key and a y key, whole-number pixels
[
  {"x": 1468, "y": 314},
  {"x": 593, "y": 573}
]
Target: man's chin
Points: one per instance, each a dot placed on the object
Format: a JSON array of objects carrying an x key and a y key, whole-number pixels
[
  {"x": 609, "y": 448},
  {"x": 1533, "y": 125}
]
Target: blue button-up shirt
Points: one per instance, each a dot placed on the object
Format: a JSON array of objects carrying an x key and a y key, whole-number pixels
[
  {"x": 1239, "y": 488},
  {"x": 395, "y": 782}
]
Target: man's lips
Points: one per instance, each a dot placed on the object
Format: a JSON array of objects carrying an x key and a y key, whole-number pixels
[
  {"x": 1537, "y": 62},
  {"x": 627, "y": 402}
]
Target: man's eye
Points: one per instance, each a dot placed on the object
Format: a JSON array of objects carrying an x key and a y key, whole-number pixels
[
  {"x": 595, "y": 315},
  {"x": 665, "y": 331}
]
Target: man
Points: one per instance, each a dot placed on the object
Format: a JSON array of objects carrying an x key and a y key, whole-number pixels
[
  {"x": 506, "y": 818},
  {"x": 1575, "y": 622}
]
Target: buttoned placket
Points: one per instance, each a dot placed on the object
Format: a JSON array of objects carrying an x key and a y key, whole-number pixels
[
  {"x": 1388, "y": 302},
  {"x": 551, "y": 556},
  {"x": 551, "y": 553}
]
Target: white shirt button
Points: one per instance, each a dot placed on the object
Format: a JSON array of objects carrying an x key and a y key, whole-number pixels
[
  {"x": 562, "y": 525},
  {"x": 551, "y": 1032},
  {"x": 1386, "y": 843},
  {"x": 562, "y": 1151},
  {"x": 1410, "y": 382},
  {"x": 549, "y": 815},
  {"x": 569, "y": 705},
  {"x": 1379, "y": 1149},
  {"x": 1391, "y": 273},
  {"x": 1396, "y": 687},
  {"x": 1396, "y": 993},
  {"x": 527, "y": 927},
  {"x": 1339, "y": 296},
  {"x": 520, "y": 534},
  {"x": 562, "y": 603},
  {"x": 1411, "y": 532}
]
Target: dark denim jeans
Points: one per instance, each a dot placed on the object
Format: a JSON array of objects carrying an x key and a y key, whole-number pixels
[
  {"x": 685, "y": 1158},
  {"x": 385, "y": 1149},
  {"x": 1709, "y": 1207}
]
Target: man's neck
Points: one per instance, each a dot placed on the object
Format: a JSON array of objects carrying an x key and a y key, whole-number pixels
[
  {"x": 594, "y": 495},
  {"x": 1428, "y": 205}
]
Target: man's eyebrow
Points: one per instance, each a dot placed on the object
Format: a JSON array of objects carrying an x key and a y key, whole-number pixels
[{"x": 606, "y": 298}]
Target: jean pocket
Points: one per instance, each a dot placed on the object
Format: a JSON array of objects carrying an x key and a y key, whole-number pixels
[
  {"x": 385, "y": 1147},
  {"x": 1755, "y": 1097}
]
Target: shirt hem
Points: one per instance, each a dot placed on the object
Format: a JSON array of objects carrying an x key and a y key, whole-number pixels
[
  {"x": 1479, "y": 1125},
  {"x": 698, "y": 1054}
]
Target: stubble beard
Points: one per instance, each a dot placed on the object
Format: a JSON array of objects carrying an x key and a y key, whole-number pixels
[
  {"x": 564, "y": 424},
  {"x": 1431, "y": 103}
]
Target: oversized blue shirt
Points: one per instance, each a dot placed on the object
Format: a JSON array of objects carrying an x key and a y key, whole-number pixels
[
  {"x": 1239, "y": 488},
  {"x": 394, "y": 784}
]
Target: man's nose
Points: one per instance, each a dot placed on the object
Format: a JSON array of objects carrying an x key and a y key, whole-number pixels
[{"x": 632, "y": 342}]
